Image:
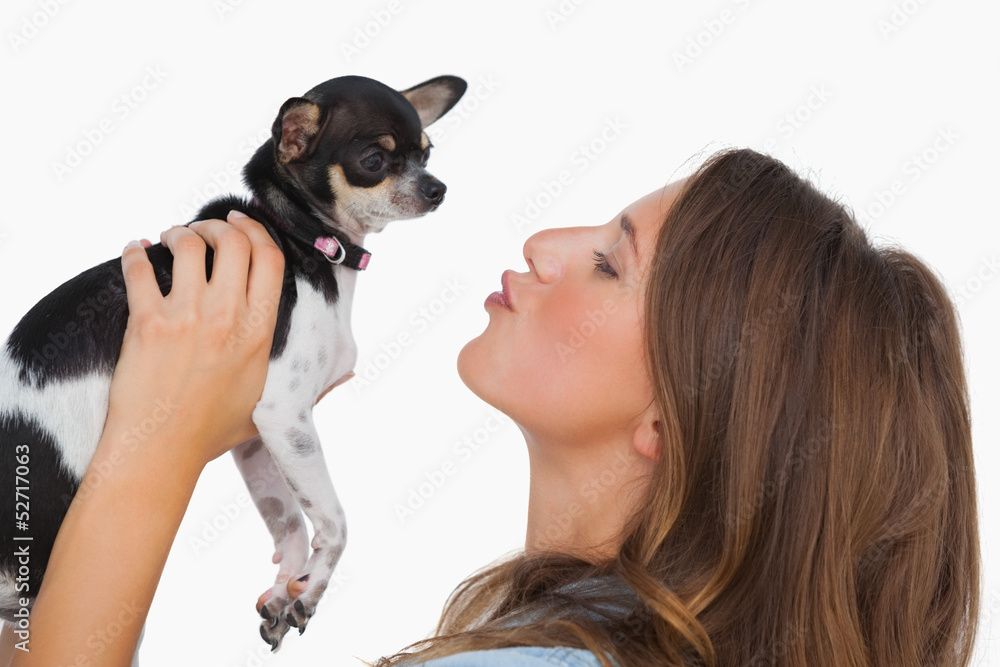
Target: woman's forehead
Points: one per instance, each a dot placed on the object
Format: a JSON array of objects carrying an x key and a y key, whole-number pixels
[{"x": 648, "y": 212}]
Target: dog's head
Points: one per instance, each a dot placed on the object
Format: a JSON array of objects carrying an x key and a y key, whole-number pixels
[{"x": 356, "y": 150}]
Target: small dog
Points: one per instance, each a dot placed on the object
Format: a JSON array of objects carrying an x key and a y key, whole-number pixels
[{"x": 343, "y": 161}]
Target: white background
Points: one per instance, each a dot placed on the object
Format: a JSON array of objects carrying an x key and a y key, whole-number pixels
[{"x": 839, "y": 92}]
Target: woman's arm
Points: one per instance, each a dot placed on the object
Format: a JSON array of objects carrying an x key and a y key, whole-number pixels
[{"x": 187, "y": 363}]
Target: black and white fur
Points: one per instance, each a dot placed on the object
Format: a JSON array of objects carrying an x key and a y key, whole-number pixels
[{"x": 345, "y": 159}]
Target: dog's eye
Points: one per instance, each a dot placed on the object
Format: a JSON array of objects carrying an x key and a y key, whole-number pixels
[
  {"x": 373, "y": 162},
  {"x": 425, "y": 156}
]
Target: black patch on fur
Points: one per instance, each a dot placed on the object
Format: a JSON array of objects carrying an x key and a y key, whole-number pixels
[{"x": 49, "y": 491}]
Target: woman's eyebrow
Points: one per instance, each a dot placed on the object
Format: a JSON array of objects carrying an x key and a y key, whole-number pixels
[{"x": 630, "y": 233}]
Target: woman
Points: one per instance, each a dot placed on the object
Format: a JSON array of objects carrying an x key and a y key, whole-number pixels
[{"x": 759, "y": 452}]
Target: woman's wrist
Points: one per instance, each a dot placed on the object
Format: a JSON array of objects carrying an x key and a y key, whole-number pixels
[
  {"x": 160, "y": 426},
  {"x": 145, "y": 447}
]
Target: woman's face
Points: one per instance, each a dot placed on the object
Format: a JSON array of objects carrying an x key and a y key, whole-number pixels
[{"x": 566, "y": 359}]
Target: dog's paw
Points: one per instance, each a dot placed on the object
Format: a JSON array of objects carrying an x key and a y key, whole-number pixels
[
  {"x": 272, "y": 608},
  {"x": 302, "y": 608}
]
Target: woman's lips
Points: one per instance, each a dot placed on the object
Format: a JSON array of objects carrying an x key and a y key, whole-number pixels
[{"x": 501, "y": 298}]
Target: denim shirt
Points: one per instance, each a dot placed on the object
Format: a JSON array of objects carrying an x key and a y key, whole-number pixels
[
  {"x": 530, "y": 656},
  {"x": 537, "y": 656}
]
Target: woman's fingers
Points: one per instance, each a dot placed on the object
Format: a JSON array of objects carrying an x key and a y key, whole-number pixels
[
  {"x": 267, "y": 264},
  {"x": 232, "y": 257},
  {"x": 188, "y": 248},
  {"x": 141, "y": 290}
]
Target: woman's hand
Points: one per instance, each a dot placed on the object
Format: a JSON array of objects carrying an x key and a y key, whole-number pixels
[{"x": 194, "y": 362}]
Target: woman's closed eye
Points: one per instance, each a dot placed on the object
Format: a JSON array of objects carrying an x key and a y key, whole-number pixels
[{"x": 601, "y": 265}]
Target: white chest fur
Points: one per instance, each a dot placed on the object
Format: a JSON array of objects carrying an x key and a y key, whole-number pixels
[{"x": 320, "y": 347}]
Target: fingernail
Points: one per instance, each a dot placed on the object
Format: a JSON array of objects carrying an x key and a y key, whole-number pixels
[
  {"x": 131, "y": 244},
  {"x": 237, "y": 214}
]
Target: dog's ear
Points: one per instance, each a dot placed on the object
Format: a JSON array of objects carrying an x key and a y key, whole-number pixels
[
  {"x": 296, "y": 129},
  {"x": 433, "y": 98}
]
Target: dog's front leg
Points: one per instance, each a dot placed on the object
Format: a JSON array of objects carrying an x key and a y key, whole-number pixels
[
  {"x": 283, "y": 518},
  {"x": 290, "y": 437}
]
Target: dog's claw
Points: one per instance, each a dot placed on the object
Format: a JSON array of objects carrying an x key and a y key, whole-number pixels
[
  {"x": 266, "y": 615},
  {"x": 280, "y": 613},
  {"x": 271, "y": 628}
]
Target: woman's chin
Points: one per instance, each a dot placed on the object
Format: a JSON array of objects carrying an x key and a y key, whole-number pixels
[
  {"x": 476, "y": 372},
  {"x": 466, "y": 364}
]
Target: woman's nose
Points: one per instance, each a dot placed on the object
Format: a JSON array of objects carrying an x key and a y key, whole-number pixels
[{"x": 544, "y": 252}]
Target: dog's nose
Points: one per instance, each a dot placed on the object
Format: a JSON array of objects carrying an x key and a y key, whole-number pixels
[{"x": 433, "y": 190}]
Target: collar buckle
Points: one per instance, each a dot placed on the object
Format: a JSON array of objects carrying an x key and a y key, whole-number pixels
[{"x": 332, "y": 249}]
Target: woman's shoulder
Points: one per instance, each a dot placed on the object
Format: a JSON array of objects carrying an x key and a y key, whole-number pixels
[{"x": 524, "y": 656}]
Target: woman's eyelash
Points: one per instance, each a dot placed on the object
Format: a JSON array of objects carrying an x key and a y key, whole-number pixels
[{"x": 601, "y": 264}]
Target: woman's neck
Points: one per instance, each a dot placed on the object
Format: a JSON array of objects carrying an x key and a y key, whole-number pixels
[{"x": 581, "y": 496}]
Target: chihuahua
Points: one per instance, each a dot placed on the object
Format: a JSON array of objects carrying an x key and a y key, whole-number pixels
[{"x": 343, "y": 160}]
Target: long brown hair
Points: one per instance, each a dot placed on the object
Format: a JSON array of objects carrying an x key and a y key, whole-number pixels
[{"x": 815, "y": 500}]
